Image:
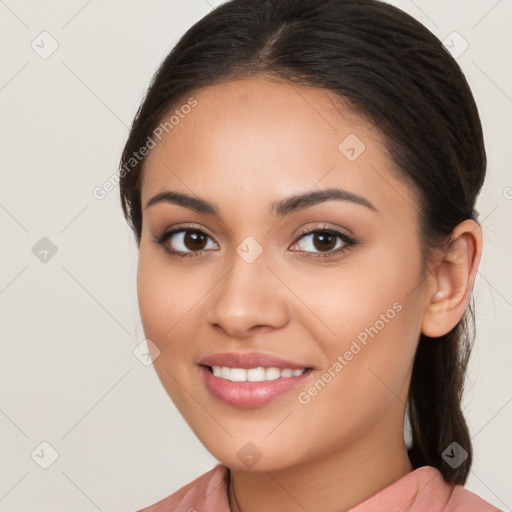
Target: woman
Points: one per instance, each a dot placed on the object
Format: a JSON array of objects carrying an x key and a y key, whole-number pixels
[{"x": 301, "y": 180}]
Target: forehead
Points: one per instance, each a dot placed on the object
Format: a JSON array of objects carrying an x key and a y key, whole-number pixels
[{"x": 272, "y": 137}]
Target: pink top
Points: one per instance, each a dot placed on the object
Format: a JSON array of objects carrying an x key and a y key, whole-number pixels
[{"x": 422, "y": 490}]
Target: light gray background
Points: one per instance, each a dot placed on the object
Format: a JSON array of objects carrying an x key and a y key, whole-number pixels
[{"x": 69, "y": 325}]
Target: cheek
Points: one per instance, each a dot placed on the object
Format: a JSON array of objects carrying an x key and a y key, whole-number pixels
[
  {"x": 366, "y": 295},
  {"x": 165, "y": 301},
  {"x": 377, "y": 321},
  {"x": 372, "y": 321},
  {"x": 165, "y": 297},
  {"x": 367, "y": 372}
]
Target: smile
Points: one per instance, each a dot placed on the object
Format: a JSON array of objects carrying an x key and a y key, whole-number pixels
[
  {"x": 258, "y": 374},
  {"x": 252, "y": 387}
]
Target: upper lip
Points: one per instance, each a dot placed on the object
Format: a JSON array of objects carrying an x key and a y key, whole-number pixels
[{"x": 250, "y": 360}]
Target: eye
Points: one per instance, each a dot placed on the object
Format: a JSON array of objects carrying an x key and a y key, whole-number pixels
[
  {"x": 184, "y": 241},
  {"x": 327, "y": 241},
  {"x": 187, "y": 241}
]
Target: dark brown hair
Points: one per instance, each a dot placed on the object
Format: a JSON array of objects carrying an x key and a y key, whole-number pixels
[{"x": 395, "y": 73}]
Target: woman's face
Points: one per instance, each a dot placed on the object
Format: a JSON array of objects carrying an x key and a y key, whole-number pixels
[{"x": 248, "y": 280}]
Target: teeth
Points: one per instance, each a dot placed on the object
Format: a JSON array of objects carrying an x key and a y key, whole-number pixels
[{"x": 258, "y": 374}]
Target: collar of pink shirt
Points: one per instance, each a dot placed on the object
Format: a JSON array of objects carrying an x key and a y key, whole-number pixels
[{"x": 422, "y": 490}]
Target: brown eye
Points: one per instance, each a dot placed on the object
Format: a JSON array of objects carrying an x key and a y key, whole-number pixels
[
  {"x": 184, "y": 242},
  {"x": 194, "y": 240},
  {"x": 324, "y": 242}
]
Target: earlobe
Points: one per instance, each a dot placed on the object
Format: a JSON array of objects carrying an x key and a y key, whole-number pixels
[{"x": 452, "y": 281}]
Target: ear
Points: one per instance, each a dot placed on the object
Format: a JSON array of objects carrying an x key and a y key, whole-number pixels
[{"x": 451, "y": 282}]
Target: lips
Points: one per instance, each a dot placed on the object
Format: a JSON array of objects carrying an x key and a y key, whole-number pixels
[
  {"x": 251, "y": 360},
  {"x": 247, "y": 394},
  {"x": 251, "y": 394}
]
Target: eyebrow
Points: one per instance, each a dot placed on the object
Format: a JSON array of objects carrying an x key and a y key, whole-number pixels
[{"x": 279, "y": 208}]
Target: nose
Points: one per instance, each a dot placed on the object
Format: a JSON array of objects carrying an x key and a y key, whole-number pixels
[{"x": 250, "y": 297}]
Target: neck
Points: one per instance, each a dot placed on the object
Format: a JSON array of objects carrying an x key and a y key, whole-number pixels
[{"x": 334, "y": 482}]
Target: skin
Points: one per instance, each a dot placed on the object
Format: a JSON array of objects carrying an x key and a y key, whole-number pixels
[{"x": 246, "y": 144}]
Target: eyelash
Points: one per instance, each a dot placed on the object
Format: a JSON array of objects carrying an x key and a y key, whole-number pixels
[{"x": 348, "y": 241}]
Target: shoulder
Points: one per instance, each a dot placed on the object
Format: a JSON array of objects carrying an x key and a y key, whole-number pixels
[
  {"x": 206, "y": 492},
  {"x": 462, "y": 499},
  {"x": 450, "y": 498},
  {"x": 425, "y": 490}
]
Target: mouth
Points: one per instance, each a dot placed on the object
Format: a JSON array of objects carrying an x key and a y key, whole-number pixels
[{"x": 252, "y": 387}]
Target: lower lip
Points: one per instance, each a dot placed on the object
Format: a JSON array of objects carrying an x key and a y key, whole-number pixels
[{"x": 251, "y": 394}]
